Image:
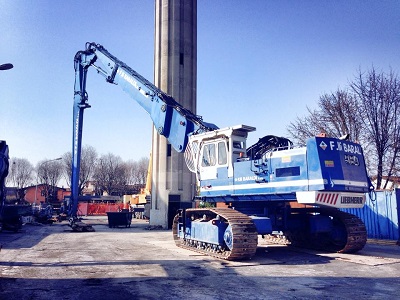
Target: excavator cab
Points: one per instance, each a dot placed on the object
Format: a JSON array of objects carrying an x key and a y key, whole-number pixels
[{"x": 212, "y": 154}]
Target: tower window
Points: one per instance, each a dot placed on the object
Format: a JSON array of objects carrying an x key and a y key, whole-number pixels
[{"x": 169, "y": 150}]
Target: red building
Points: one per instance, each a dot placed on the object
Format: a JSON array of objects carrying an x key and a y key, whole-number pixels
[{"x": 56, "y": 194}]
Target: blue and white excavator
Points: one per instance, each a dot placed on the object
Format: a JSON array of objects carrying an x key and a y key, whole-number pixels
[{"x": 270, "y": 189}]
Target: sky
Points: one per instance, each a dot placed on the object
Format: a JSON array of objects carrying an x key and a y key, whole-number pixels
[{"x": 260, "y": 63}]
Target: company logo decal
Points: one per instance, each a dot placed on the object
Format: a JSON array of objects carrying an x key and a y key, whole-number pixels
[
  {"x": 323, "y": 145},
  {"x": 351, "y": 160},
  {"x": 329, "y": 163},
  {"x": 351, "y": 200}
]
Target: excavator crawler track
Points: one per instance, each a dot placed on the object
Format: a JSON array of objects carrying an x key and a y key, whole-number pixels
[
  {"x": 244, "y": 240},
  {"x": 354, "y": 235},
  {"x": 356, "y": 231}
]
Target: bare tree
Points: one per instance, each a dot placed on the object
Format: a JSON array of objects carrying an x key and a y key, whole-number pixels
[
  {"x": 49, "y": 173},
  {"x": 87, "y": 166},
  {"x": 370, "y": 112},
  {"x": 20, "y": 175},
  {"x": 67, "y": 167},
  {"x": 137, "y": 171},
  {"x": 110, "y": 175},
  {"x": 337, "y": 115},
  {"x": 131, "y": 169},
  {"x": 143, "y": 166},
  {"x": 378, "y": 97}
]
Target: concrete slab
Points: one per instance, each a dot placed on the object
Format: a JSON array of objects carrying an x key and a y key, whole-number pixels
[{"x": 48, "y": 262}]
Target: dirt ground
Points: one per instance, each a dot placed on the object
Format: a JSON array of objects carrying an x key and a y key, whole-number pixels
[{"x": 52, "y": 262}]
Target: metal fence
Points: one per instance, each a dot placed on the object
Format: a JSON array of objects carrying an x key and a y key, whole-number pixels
[
  {"x": 381, "y": 215},
  {"x": 100, "y": 209}
]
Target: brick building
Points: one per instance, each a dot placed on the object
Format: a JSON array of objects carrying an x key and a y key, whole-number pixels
[{"x": 56, "y": 194}]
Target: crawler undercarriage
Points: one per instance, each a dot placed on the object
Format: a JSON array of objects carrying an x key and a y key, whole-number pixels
[
  {"x": 229, "y": 234},
  {"x": 237, "y": 233}
]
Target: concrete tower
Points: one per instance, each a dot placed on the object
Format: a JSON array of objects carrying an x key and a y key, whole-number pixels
[{"x": 175, "y": 68}]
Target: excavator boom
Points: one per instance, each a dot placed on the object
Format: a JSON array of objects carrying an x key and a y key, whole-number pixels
[{"x": 170, "y": 118}]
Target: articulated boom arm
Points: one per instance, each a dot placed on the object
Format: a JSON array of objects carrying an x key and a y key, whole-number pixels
[{"x": 170, "y": 118}]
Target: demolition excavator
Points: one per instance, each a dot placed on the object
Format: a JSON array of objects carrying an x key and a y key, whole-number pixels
[{"x": 273, "y": 189}]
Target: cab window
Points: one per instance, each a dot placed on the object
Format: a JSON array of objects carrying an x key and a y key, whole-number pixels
[
  {"x": 208, "y": 158},
  {"x": 222, "y": 156}
]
